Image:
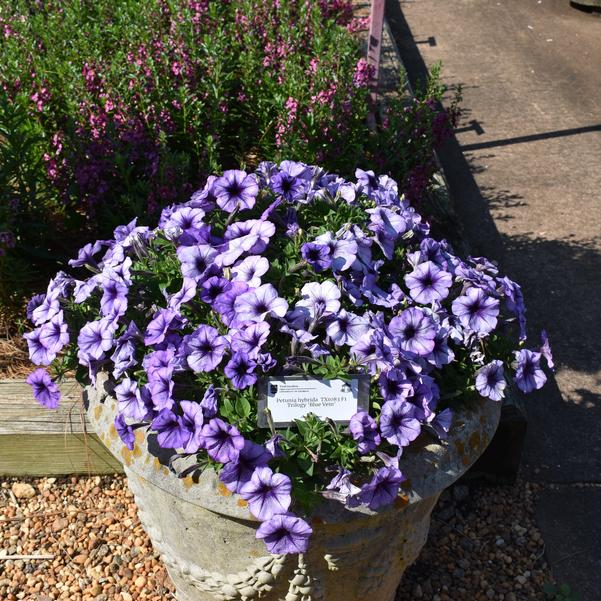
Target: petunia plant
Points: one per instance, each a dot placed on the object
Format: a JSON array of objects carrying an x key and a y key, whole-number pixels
[{"x": 288, "y": 270}]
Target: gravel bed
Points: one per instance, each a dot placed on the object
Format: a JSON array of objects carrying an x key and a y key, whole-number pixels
[{"x": 483, "y": 545}]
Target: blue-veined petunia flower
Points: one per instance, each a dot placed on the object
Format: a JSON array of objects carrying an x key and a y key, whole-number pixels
[
  {"x": 204, "y": 348},
  {"x": 225, "y": 302},
  {"x": 442, "y": 353},
  {"x": 209, "y": 402},
  {"x": 196, "y": 260},
  {"x": 85, "y": 256},
  {"x": 213, "y": 287},
  {"x": 490, "y": 380},
  {"x": 364, "y": 430},
  {"x": 413, "y": 331},
  {"x": 235, "y": 189},
  {"x": 39, "y": 354},
  {"x": 221, "y": 440},
  {"x": 347, "y": 328},
  {"x": 245, "y": 237},
  {"x": 250, "y": 338},
  {"x": 267, "y": 493},
  {"x": 398, "y": 422},
  {"x": 476, "y": 311},
  {"x": 205, "y": 198},
  {"x": 161, "y": 388},
  {"x": 441, "y": 423},
  {"x": 341, "y": 489},
  {"x": 241, "y": 370},
  {"x": 428, "y": 283},
  {"x": 188, "y": 221},
  {"x": 192, "y": 421},
  {"x": 45, "y": 390},
  {"x": 164, "y": 321},
  {"x": 47, "y": 309},
  {"x": 545, "y": 350},
  {"x": 185, "y": 294},
  {"x": 288, "y": 186},
  {"x": 96, "y": 338},
  {"x": 129, "y": 398},
  {"x": 285, "y": 534},
  {"x": 317, "y": 255},
  {"x": 125, "y": 432},
  {"x": 114, "y": 297},
  {"x": 319, "y": 299},
  {"x": 237, "y": 473},
  {"x": 529, "y": 376},
  {"x": 343, "y": 252},
  {"x": 394, "y": 385},
  {"x": 250, "y": 270},
  {"x": 383, "y": 488},
  {"x": 33, "y": 303},
  {"x": 366, "y": 181},
  {"x": 171, "y": 432},
  {"x": 258, "y": 303}
]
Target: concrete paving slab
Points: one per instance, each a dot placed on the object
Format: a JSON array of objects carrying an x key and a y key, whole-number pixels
[{"x": 524, "y": 174}]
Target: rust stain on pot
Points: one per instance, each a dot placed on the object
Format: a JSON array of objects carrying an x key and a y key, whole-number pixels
[
  {"x": 474, "y": 440},
  {"x": 157, "y": 464},
  {"x": 139, "y": 436},
  {"x": 188, "y": 482},
  {"x": 137, "y": 452},
  {"x": 465, "y": 460},
  {"x": 242, "y": 503},
  {"x": 460, "y": 446},
  {"x": 317, "y": 521},
  {"x": 223, "y": 491},
  {"x": 254, "y": 553},
  {"x": 97, "y": 411},
  {"x": 126, "y": 454},
  {"x": 113, "y": 432}
]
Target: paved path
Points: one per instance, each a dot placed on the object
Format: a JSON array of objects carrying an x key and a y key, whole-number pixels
[{"x": 525, "y": 173}]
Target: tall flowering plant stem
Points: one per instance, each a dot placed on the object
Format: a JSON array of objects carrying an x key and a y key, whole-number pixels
[{"x": 285, "y": 270}]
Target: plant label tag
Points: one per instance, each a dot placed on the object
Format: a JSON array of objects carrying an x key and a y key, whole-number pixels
[{"x": 287, "y": 398}]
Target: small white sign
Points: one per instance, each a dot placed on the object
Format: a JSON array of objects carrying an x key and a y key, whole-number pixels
[{"x": 293, "y": 397}]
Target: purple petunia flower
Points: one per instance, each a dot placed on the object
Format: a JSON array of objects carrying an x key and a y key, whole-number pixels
[
  {"x": 33, "y": 303},
  {"x": 383, "y": 488},
  {"x": 125, "y": 432},
  {"x": 251, "y": 338},
  {"x": 394, "y": 385},
  {"x": 161, "y": 388},
  {"x": 204, "y": 348},
  {"x": 188, "y": 221},
  {"x": 196, "y": 260},
  {"x": 164, "y": 321},
  {"x": 490, "y": 380},
  {"x": 256, "y": 304},
  {"x": 285, "y": 534},
  {"x": 205, "y": 198},
  {"x": 236, "y": 189},
  {"x": 130, "y": 400},
  {"x": 240, "y": 370},
  {"x": 48, "y": 308},
  {"x": 441, "y": 424},
  {"x": 319, "y": 299},
  {"x": 317, "y": 255},
  {"x": 96, "y": 338},
  {"x": 187, "y": 293},
  {"x": 222, "y": 441},
  {"x": 171, "y": 432},
  {"x": 288, "y": 186},
  {"x": 224, "y": 303},
  {"x": 213, "y": 287},
  {"x": 413, "y": 331},
  {"x": 545, "y": 350},
  {"x": 476, "y": 311},
  {"x": 364, "y": 430},
  {"x": 343, "y": 252},
  {"x": 250, "y": 270},
  {"x": 245, "y": 237},
  {"x": 39, "y": 354},
  {"x": 209, "y": 402},
  {"x": 529, "y": 376},
  {"x": 237, "y": 473},
  {"x": 428, "y": 283},
  {"x": 45, "y": 390},
  {"x": 85, "y": 255},
  {"x": 347, "y": 328},
  {"x": 192, "y": 421},
  {"x": 398, "y": 422},
  {"x": 267, "y": 493},
  {"x": 114, "y": 297}
]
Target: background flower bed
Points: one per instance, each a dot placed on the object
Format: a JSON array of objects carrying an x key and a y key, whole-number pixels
[{"x": 109, "y": 110}]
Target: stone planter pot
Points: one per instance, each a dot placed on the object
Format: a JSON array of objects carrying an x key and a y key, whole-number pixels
[{"x": 206, "y": 535}]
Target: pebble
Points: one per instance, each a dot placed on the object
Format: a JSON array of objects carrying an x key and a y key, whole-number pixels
[{"x": 23, "y": 490}]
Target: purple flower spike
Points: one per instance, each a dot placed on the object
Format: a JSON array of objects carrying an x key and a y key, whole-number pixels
[
  {"x": 477, "y": 311},
  {"x": 222, "y": 441},
  {"x": 414, "y": 331},
  {"x": 383, "y": 488},
  {"x": 529, "y": 376},
  {"x": 285, "y": 534},
  {"x": 236, "y": 189},
  {"x": 364, "y": 430},
  {"x": 428, "y": 283},
  {"x": 45, "y": 390},
  {"x": 490, "y": 381},
  {"x": 398, "y": 423},
  {"x": 237, "y": 473}
]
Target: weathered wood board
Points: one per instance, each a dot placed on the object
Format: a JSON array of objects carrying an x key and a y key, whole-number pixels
[{"x": 42, "y": 442}]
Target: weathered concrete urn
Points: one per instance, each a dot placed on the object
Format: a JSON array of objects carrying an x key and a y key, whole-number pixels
[{"x": 206, "y": 535}]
